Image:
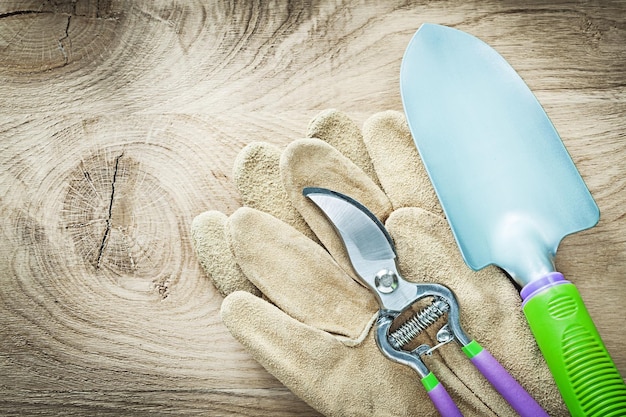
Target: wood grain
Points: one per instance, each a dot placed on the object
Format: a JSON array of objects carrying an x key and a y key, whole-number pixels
[{"x": 120, "y": 121}]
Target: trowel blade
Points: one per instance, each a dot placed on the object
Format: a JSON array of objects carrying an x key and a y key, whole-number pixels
[{"x": 506, "y": 182}]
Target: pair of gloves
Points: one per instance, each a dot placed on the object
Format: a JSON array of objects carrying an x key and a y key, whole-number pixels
[{"x": 291, "y": 298}]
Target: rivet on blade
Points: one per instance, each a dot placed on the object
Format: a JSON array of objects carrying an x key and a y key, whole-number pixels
[{"x": 386, "y": 281}]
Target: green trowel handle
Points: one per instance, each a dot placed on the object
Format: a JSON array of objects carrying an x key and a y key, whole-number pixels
[{"x": 582, "y": 367}]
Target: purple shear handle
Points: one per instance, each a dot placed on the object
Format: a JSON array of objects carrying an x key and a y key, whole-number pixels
[
  {"x": 440, "y": 397},
  {"x": 507, "y": 386},
  {"x": 443, "y": 402}
]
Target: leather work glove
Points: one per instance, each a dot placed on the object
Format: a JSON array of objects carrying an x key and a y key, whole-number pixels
[{"x": 291, "y": 298}]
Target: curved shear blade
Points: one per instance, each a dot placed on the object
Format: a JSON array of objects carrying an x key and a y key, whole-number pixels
[
  {"x": 369, "y": 246},
  {"x": 364, "y": 235}
]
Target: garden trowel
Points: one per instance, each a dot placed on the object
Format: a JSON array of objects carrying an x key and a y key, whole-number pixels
[{"x": 511, "y": 193}]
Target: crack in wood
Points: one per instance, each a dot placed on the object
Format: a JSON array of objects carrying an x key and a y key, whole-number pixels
[
  {"x": 23, "y": 12},
  {"x": 109, "y": 221},
  {"x": 98, "y": 15},
  {"x": 63, "y": 38}
]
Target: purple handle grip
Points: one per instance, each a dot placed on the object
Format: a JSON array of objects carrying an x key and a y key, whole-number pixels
[
  {"x": 507, "y": 386},
  {"x": 443, "y": 402}
]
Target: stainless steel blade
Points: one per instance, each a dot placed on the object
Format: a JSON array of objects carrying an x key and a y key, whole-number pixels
[
  {"x": 506, "y": 182},
  {"x": 369, "y": 246}
]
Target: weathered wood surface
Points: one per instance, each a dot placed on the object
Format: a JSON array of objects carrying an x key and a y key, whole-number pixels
[{"x": 120, "y": 120}]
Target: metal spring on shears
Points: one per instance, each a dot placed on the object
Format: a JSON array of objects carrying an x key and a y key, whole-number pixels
[{"x": 419, "y": 322}]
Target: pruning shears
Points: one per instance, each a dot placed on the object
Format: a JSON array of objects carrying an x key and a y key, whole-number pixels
[{"x": 373, "y": 258}]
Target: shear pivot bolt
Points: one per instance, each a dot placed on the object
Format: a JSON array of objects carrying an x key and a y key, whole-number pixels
[
  {"x": 444, "y": 334},
  {"x": 386, "y": 281}
]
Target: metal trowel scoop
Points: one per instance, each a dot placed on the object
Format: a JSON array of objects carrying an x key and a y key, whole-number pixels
[{"x": 511, "y": 193}]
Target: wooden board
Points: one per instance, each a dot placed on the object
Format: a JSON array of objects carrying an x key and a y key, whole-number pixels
[{"x": 120, "y": 121}]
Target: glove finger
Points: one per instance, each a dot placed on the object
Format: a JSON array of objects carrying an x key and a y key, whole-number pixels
[
  {"x": 314, "y": 163},
  {"x": 257, "y": 176},
  {"x": 489, "y": 303},
  {"x": 216, "y": 258},
  {"x": 398, "y": 165},
  {"x": 298, "y": 275},
  {"x": 335, "y": 379},
  {"x": 342, "y": 133}
]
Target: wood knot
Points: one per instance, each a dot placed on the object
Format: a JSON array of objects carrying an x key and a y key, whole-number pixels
[
  {"x": 54, "y": 34},
  {"x": 116, "y": 215}
]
